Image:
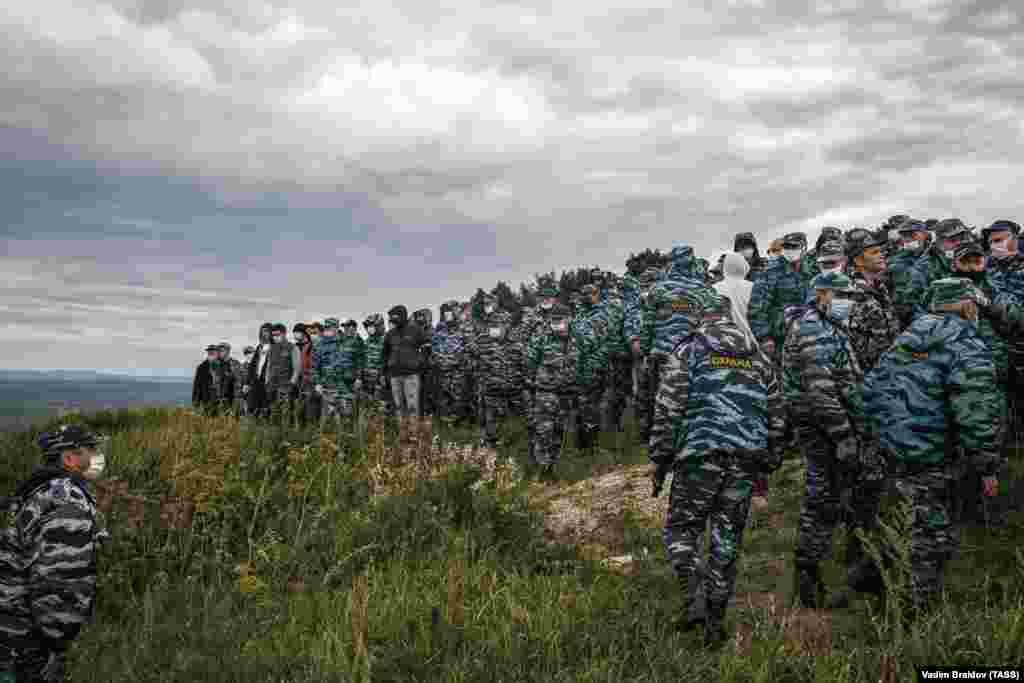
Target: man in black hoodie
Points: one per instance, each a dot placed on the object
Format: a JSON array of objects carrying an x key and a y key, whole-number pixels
[
  {"x": 213, "y": 388},
  {"x": 256, "y": 379},
  {"x": 403, "y": 360},
  {"x": 746, "y": 244}
]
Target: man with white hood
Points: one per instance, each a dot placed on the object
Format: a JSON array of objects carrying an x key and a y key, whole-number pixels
[{"x": 737, "y": 288}]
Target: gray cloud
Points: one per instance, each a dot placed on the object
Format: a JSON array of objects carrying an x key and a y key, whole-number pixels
[{"x": 179, "y": 168}]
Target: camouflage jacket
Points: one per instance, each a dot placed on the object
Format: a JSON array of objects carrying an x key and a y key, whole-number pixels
[
  {"x": 374, "y": 358},
  {"x": 901, "y": 275},
  {"x": 779, "y": 287},
  {"x": 337, "y": 362},
  {"x": 673, "y": 309},
  {"x": 448, "y": 348},
  {"x": 590, "y": 329},
  {"x": 632, "y": 297},
  {"x": 873, "y": 326},
  {"x": 1007, "y": 279},
  {"x": 492, "y": 357},
  {"x": 933, "y": 389},
  {"x": 933, "y": 265},
  {"x": 48, "y": 560},
  {"x": 615, "y": 313},
  {"x": 717, "y": 392},
  {"x": 553, "y": 363},
  {"x": 821, "y": 377},
  {"x": 519, "y": 340}
]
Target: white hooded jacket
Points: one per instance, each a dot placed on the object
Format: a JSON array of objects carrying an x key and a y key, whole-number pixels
[{"x": 736, "y": 287}]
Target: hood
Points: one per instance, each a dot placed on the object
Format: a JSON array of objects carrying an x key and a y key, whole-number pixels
[
  {"x": 401, "y": 312},
  {"x": 735, "y": 266},
  {"x": 683, "y": 264},
  {"x": 45, "y": 473},
  {"x": 748, "y": 239}
]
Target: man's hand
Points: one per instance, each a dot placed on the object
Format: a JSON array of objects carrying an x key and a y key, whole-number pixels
[
  {"x": 358, "y": 386},
  {"x": 245, "y": 390},
  {"x": 768, "y": 346},
  {"x": 636, "y": 347},
  {"x": 990, "y": 486},
  {"x": 319, "y": 388},
  {"x": 847, "y": 452},
  {"x": 658, "y": 478}
]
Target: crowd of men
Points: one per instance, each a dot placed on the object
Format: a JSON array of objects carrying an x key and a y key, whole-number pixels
[{"x": 891, "y": 357}]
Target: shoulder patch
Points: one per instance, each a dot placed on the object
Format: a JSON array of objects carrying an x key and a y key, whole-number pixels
[
  {"x": 730, "y": 361},
  {"x": 919, "y": 355}
]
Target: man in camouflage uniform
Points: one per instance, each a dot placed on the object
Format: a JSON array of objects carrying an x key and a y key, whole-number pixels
[
  {"x": 449, "y": 360},
  {"x": 634, "y": 325},
  {"x": 746, "y": 244},
  {"x": 821, "y": 384},
  {"x": 619, "y": 370},
  {"x": 718, "y": 425},
  {"x": 247, "y": 352},
  {"x": 494, "y": 363},
  {"x": 284, "y": 369},
  {"x": 213, "y": 387},
  {"x": 913, "y": 244},
  {"x": 671, "y": 314},
  {"x": 48, "y": 547},
  {"x": 784, "y": 283},
  {"x": 933, "y": 393},
  {"x": 552, "y": 367},
  {"x": 831, "y": 258},
  {"x": 590, "y": 327},
  {"x": 538, "y": 323},
  {"x": 337, "y": 362},
  {"x": 303, "y": 408},
  {"x": 937, "y": 261},
  {"x": 891, "y": 232},
  {"x": 1006, "y": 274},
  {"x": 374, "y": 392},
  {"x": 828, "y": 235},
  {"x": 237, "y": 376}
]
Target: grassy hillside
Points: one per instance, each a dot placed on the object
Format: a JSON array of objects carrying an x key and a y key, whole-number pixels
[{"x": 246, "y": 553}]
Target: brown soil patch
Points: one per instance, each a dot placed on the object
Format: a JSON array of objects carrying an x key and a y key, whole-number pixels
[
  {"x": 592, "y": 512},
  {"x": 807, "y": 633},
  {"x": 744, "y": 640}
]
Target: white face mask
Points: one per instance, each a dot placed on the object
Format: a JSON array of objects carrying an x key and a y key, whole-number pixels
[
  {"x": 747, "y": 253},
  {"x": 97, "y": 464},
  {"x": 560, "y": 327},
  {"x": 546, "y": 305},
  {"x": 330, "y": 334},
  {"x": 495, "y": 332},
  {"x": 1002, "y": 250},
  {"x": 299, "y": 338},
  {"x": 314, "y": 337},
  {"x": 894, "y": 235},
  {"x": 950, "y": 254},
  {"x": 277, "y": 339},
  {"x": 449, "y": 316},
  {"x": 912, "y": 245},
  {"x": 489, "y": 308},
  {"x": 830, "y": 266},
  {"x": 839, "y": 309},
  {"x": 792, "y": 255}
]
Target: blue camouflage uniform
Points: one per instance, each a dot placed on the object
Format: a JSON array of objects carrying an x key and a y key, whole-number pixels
[
  {"x": 932, "y": 399},
  {"x": 337, "y": 363},
  {"x": 719, "y": 421},
  {"x": 822, "y": 386},
  {"x": 782, "y": 285}
]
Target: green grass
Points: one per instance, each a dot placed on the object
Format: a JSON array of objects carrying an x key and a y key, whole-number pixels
[{"x": 170, "y": 606}]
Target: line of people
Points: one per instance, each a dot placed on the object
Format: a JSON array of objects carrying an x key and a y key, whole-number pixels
[{"x": 890, "y": 356}]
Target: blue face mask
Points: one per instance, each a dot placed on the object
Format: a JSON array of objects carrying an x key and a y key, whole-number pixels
[{"x": 839, "y": 310}]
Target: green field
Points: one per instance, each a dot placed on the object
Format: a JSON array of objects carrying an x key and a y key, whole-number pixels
[{"x": 294, "y": 567}]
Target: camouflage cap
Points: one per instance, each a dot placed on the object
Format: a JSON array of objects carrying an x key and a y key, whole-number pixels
[
  {"x": 831, "y": 281},
  {"x": 589, "y": 290},
  {"x": 350, "y": 323},
  {"x": 212, "y": 347},
  {"x": 950, "y": 290},
  {"x": 560, "y": 310},
  {"x": 969, "y": 248},
  {"x": 794, "y": 239},
  {"x": 896, "y": 221},
  {"x": 912, "y": 225},
  {"x": 855, "y": 248},
  {"x": 830, "y": 251},
  {"x": 949, "y": 228},
  {"x": 373, "y": 320},
  {"x": 1001, "y": 225},
  {"x": 66, "y": 437},
  {"x": 249, "y": 350},
  {"x": 331, "y": 323},
  {"x": 856, "y": 234},
  {"x": 224, "y": 346}
]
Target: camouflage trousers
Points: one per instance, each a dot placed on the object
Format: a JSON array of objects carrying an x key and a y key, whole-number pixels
[
  {"x": 549, "y": 412},
  {"x": 718, "y": 489},
  {"x": 646, "y": 392},
  {"x": 338, "y": 406},
  {"x": 280, "y": 403},
  {"x": 618, "y": 389},
  {"x": 373, "y": 393},
  {"x": 934, "y": 538},
  {"x": 495, "y": 405},
  {"x": 821, "y": 506},
  {"x": 588, "y": 415},
  {"x": 452, "y": 392},
  {"x": 24, "y": 664}
]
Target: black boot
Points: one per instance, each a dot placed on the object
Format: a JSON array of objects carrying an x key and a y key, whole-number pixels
[
  {"x": 809, "y": 586},
  {"x": 696, "y": 602},
  {"x": 714, "y": 627}
]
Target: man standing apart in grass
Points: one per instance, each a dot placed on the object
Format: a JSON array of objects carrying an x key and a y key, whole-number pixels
[
  {"x": 719, "y": 421},
  {"x": 934, "y": 390},
  {"x": 48, "y": 558}
]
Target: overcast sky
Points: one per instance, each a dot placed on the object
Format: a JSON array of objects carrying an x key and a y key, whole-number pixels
[{"x": 174, "y": 173}]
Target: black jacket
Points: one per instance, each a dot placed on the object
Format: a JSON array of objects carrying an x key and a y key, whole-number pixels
[
  {"x": 402, "y": 346},
  {"x": 202, "y": 385}
]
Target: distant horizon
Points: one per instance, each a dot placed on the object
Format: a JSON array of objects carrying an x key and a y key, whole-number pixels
[{"x": 132, "y": 372}]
